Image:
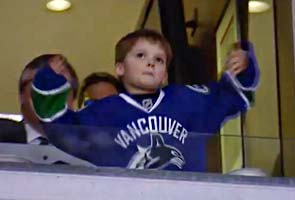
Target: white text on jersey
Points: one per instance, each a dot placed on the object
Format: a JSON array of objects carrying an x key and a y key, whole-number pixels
[{"x": 149, "y": 125}]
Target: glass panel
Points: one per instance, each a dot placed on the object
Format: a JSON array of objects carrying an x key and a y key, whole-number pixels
[{"x": 134, "y": 149}]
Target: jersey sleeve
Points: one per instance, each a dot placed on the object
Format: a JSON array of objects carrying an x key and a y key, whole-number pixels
[
  {"x": 219, "y": 101},
  {"x": 248, "y": 79},
  {"x": 49, "y": 94},
  {"x": 70, "y": 131}
]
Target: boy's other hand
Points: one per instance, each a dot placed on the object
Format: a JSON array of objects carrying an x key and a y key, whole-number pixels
[
  {"x": 237, "y": 61},
  {"x": 57, "y": 64}
]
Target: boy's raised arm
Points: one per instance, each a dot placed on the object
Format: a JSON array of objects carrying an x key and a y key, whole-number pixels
[
  {"x": 49, "y": 94},
  {"x": 242, "y": 68}
]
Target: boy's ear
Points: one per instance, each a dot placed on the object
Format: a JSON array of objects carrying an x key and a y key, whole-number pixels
[{"x": 119, "y": 69}]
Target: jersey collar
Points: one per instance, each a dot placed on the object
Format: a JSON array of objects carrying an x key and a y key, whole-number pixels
[{"x": 134, "y": 103}]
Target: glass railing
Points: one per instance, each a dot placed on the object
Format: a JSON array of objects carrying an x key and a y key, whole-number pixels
[
  {"x": 105, "y": 162},
  {"x": 175, "y": 150}
]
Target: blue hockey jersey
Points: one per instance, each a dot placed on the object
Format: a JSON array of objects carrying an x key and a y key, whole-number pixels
[{"x": 169, "y": 133}]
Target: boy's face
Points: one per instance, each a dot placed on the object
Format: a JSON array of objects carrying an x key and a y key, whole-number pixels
[{"x": 143, "y": 70}]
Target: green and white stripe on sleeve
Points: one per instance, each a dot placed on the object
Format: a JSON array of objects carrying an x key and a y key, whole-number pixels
[{"x": 50, "y": 104}]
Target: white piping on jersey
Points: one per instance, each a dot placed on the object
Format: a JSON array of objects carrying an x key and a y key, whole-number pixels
[
  {"x": 238, "y": 84},
  {"x": 242, "y": 95},
  {"x": 254, "y": 85},
  {"x": 239, "y": 91},
  {"x": 55, "y": 116},
  {"x": 137, "y": 105},
  {"x": 53, "y": 91}
]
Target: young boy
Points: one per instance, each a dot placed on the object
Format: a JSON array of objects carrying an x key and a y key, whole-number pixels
[{"x": 147, "y": 126}]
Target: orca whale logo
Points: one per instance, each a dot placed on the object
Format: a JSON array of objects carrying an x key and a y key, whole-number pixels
[{"x": 157, "y": 156}]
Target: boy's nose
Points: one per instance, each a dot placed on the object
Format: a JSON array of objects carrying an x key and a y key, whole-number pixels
[{"x": 151, "y": 64}]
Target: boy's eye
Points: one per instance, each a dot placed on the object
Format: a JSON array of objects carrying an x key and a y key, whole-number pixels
[
  {"x": 140, "y": 55},
  {"x": 160, "y": 60}
]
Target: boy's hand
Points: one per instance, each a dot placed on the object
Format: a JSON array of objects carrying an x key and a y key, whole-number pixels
[
  {"x": 237, "y": 61},
  {"x": 57, "y": 64}
]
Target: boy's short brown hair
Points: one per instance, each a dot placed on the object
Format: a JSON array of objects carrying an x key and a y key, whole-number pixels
[{"x": 125, "y": 44}]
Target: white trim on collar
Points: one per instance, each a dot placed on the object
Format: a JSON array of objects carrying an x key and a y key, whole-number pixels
[{"x": 134, "y": 103}]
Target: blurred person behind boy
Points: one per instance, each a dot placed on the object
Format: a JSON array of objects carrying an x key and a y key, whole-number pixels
[{"x": 96, "y": 86}]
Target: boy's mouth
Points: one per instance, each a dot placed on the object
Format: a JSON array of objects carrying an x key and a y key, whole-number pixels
[{"x": 148, "y": 73}]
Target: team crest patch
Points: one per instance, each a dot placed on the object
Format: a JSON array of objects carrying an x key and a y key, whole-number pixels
[
  {"x": 199, "y": 88},
  {"x": 157, "y": 156}
]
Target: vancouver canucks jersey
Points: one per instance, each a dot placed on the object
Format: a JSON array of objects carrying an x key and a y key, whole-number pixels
[{"x": 169, "y": 131}]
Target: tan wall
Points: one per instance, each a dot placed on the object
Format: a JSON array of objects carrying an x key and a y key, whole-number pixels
[
  {"x": 262, "y": 122},
  {"x": 266, "y": 103},
  {"x": 86, "y": 34},
  {"x": 287, "y": 83},
  {"x": 286, "y": 68},
  {"x": 263, "y": 119}
]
